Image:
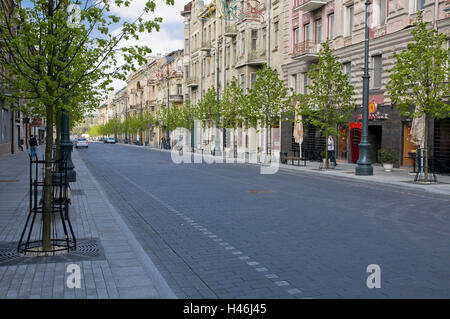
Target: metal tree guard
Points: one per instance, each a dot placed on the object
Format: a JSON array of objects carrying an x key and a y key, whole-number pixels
[{"x": 62, "y": 234}]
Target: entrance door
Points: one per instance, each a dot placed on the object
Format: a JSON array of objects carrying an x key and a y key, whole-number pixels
[
  {"x": 355, "y": 139},
  {"x": 342, "y": 145},
  {"x": 375, "y": 135},
  {"x": 408, "y": 147}
]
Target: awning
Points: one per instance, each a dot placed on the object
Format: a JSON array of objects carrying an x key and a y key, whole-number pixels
[{"x": 298, "y": 129}]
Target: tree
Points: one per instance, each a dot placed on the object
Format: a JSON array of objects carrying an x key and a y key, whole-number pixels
[
  {"x": 418, "y": 82},
  {"x": 330, "y": 101},
  {"x": 269, "y": 100},
  {"x": 207, "y": 108},
  {"x": 55, "y": 62},
  {"x": 234, "y": 107}
]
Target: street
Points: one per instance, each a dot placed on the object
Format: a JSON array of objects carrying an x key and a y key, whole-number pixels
[{"x": 226, "y": 231}]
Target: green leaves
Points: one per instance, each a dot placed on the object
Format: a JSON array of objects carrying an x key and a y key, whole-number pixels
[
  {"x": 269, "y": 100},
  {"x": 234, "y": 105},
  {"x": 418, "y": 82},
  {"x": 330, "y": 99}
]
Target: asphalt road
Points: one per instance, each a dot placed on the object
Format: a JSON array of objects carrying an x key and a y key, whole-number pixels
[{"x": 226, "y": 231}]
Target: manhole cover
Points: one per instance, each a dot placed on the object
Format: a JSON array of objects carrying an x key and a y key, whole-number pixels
[
  {"x": 260, "y": 191},
  {"x": 87, "y": 249}
]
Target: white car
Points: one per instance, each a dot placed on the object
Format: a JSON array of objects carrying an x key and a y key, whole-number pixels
[
  {"x": 81, "y": 142},
  {"x": 110, "y": 140}
]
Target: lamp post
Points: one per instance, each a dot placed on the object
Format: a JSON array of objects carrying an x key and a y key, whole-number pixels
[
  {"x": 126, "y": 119},
  {"x": 140, "y": 126},
  {"x": 364, "y": 167},
  {"x": 65, "y": 143},
  {"x": 217, "y": 140},
  {"x": 168, "y": 107}
]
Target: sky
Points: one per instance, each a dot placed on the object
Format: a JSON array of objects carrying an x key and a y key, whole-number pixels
[
  {"x": 168, "y": 39},
  {"x": 170, "y": 35}
]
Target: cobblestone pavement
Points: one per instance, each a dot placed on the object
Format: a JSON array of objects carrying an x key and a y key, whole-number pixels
[
  {"x": 125, "y": 272},
  {"x": 226, "y": 231}
]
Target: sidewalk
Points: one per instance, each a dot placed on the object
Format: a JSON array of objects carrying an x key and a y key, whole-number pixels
[
  {"x": 398, "y": 176},
  {"x": 121, "y": 270}
]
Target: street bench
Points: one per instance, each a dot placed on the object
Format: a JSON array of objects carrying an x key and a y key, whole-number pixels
[{"x": 296, "y": 158}]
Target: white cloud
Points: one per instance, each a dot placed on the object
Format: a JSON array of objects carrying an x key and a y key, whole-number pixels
[
  {"x": 159, "y": 42},
  {"x": 169, "y": 13},
  {"x": 166, "y": 40}
]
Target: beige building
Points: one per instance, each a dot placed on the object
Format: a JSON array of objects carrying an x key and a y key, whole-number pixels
[
  {"x": 159, "y": 81},
  {"x": 221, "y": 44},
  {"x": 308, "y": 23}
]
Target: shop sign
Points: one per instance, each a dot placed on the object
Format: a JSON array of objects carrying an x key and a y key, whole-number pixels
[
  {"x": 372, "y": 107},
  {"x": 376, "y": 116},
  {"x": 36, "y": 121}
]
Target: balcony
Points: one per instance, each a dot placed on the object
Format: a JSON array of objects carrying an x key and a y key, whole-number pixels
[
  {"x": 230, "y": 31},
  {"x": 176, "y": 97},
  {"x": 192, "y": 81},
  {"x": 254, "y": 57},
  {"x": 310, "y": 5},
  {"x": 306, "y": 50},
  {"x": 206, "y": 46}
]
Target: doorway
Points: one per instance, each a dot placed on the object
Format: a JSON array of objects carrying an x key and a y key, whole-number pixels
[{"x": 375, "y": 136}]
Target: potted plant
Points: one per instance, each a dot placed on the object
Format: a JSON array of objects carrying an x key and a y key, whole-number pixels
[
  {"x": 388, "y": 157},
  {"x": 324, "y": 156}
]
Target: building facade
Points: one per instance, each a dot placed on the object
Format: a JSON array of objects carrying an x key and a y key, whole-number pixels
[
  {"x": 229, "y": 41},
  {"x": 311, "y": 22}
]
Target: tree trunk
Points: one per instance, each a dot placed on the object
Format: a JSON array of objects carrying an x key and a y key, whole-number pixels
[
  {"x": 58, "y": 137},
  {"x": 326, "y": 150},
  {"x": 47, "y": 215},
  {"x": 425, "y": 149}
]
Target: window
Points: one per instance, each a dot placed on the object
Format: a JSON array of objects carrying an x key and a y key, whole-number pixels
[
  {"x": 306, "y": 34},
  {"x": 296, "y": 36},
  {"x": 419, "y": 4},
  {"x": 5, "y": 117},
  {"x": 318, "y": 31},
  {"x": 214, "y": 30},
  {"x": 275, "y": 28},
  {"x": 379, "y": 13},
  {"x": 179, "y": 89},
  {"x": 252, "y": 79},
  {"x": 383, "y": 11},
  {"x": 242, "y": 81},
  {"x": 348, "y": 21},
  {"x": 242, "y": 43},
  {"x": 228, "y": 57},
  {"x": 294, "y": 82},
  {"x": 305, "y": 82},
  {"x": 254, "y": 39},
  {"x": 234, "y": 53},
  {"x": 331, "y": 26},
  {"x": 264, "y": 38},
  {"x": 377, "y": 69},
  {"x": 186, "y": 46},
  {"x": 348, "y": 70},
  {"x": 179, "y": 66}
]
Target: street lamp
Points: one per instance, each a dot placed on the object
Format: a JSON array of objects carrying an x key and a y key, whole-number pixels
[
  {"x": 140, "y": 126},
  {"x": 364, "y": 167},
  {"x": 168, "y": 104}
]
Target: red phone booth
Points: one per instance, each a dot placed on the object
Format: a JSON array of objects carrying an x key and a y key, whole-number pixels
[{"x": 355, "y": 139}]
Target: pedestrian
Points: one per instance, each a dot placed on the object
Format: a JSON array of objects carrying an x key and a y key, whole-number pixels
[
  {"x": 33, "y": 144},
  {"x": 331, "y": 150}
]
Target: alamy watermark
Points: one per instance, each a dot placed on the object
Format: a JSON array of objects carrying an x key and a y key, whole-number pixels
[
  {"x": 74, "y": 278},
  {"x": 374, "y": 279},
  {"x": 180, "y": 153}
]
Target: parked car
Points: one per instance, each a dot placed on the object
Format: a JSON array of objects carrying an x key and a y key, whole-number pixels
[
  {"x": 81, "y": 142},
  {"x": 110, "y": 140}
]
